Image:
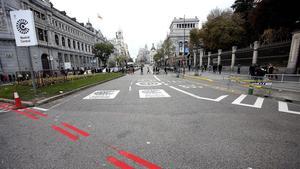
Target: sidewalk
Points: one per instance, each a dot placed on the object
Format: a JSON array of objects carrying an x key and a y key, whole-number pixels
[{"x": 281, "y": 91}]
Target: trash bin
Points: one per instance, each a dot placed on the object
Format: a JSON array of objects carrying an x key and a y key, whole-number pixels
[{"x": 250, "y": 90}]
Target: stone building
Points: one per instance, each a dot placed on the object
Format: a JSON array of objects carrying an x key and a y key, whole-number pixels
[
  {"x": 152, "y": 53},
  {"x": 121, "y": 48},
  {"x": 61, "y": 39},
  {"x": 180, "y": 32},
  {"x": 143, "y": 56}
]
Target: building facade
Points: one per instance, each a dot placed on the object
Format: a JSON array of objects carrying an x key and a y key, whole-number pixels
[
  {"x": 143, "y": 56},
  {"x": 180, "y": 33},
  {"x": 120, "y": 47},
  {"x": 152, "y": 53},
  {"x": 63, "y": 43}
]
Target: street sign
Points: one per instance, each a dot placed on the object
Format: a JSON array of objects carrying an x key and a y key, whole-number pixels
[
  {"x": 68, "y": 65},
  {"x": 23, "y": 27}
]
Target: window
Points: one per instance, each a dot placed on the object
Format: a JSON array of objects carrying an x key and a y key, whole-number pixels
[
  {"x": 78, "y": 46},
  {"x": 74, "y": 44},
  {"x": 37, "y": 14},
  {"x": 69, "y": 43},
  {"x": 43, "y": 16},
  {"x": 56, "y": 39},
  {"x": 85, "y": 47},
  {"x": 40, "y": 34},
  {"x": 63, "y": 42},
  {"x": 46, "y": 35},
  {"x": 82, "y": 46}
]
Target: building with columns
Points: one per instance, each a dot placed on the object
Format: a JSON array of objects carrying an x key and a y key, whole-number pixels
[
  {"x": 180, "y": 33},
  {"x": 121, "y": 48},
  {"x": 61, "y": 39},
  {"x": 151, "y": 54},
  {"x": 143, "y": 56}
]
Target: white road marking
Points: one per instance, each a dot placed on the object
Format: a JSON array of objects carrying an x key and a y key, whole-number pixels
[
  {"x": 153, "y": 93},
  {"x": 39, "y": 108},
  {"x": 258, "y": 103},
  {"x": 3, "y": 110},
  {"x": 102, "y": 94},
  {"x": 283, "y": 107},
  {"x": 148, "y": 84},
  {"x": 130, "y": 86},
  {"x": 157, "y": 78},
  {"x": 198, "y": 97}
]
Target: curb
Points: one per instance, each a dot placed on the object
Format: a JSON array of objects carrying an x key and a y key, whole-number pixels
[
  {"x": 52, "y": 98},
  {"x": 199, "y": 78},
  {"x": 243, "y": 92}
]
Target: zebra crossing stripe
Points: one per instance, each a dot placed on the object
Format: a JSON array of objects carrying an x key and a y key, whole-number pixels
[
  {"x": 283, "y": 107},
  {"x": 258, "y": 103}
]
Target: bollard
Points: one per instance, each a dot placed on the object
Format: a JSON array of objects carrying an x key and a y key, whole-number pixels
[
  {"x": 18, "y": 103},
  {"x": 250, "y": 90}
]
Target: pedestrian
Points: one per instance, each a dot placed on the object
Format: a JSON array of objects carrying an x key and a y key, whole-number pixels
[
  {"x": 271, "y": 70},
  {"x": 142, "y": 69},
  {"x": 166, "y": 70},
  {"x": 220, "y": 68},
  {"x": 148, "y": 70},
  {"x": 252, "y": 70},
  {"x": 239, "y": 69}
]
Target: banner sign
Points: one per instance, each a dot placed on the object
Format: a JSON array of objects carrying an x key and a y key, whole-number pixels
[{"x": 23, "y": 27}]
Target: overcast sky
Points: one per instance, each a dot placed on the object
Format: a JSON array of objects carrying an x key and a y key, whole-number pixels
[{"x": 142, "y": 21}]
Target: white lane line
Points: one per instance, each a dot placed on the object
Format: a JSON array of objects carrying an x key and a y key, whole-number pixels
[
  {"x": 66, "y": 100},
  {"x": 283, "y": 107},
  {"x": 198, "y": 97},
  {"x": 258, "y": 103},
  {"x": 130, "y": 86},
  {"x": 39, "y": 108},
  {"x": 157, "y": 78}
]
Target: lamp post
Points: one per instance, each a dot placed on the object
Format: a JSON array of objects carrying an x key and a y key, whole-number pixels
[{"x": 195, "y": 62}]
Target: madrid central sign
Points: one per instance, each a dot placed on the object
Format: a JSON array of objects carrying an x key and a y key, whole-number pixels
[{"x": 23, "y": 27}]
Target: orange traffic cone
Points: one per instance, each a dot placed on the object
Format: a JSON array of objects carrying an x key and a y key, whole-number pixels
[{"x": 18, "y": 103}]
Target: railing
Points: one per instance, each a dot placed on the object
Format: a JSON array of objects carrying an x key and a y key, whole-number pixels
[{"x": 284, "y": 78}]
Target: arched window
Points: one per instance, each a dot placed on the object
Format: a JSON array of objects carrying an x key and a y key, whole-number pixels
[
  {"x": 78, "y": 46},
  {"x": 56, "y": 39},
  {"x": 63, "y": 42},
  {"x": 69, "y": 43},
  {"x": 74, "y": 44}
]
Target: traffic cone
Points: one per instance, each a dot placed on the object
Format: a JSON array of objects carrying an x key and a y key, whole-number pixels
[{"x": 18, "y": 103}]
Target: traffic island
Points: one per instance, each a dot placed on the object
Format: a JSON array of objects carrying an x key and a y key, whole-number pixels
[{"x": 53, "y": 91}]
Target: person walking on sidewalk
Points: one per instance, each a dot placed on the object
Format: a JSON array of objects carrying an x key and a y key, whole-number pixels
[
  {"x": 239, "y": 69},
  {"x": 166, "y": 70},
  {"x": 148, "y": 70},
  {"x": 220, "y": 68}
]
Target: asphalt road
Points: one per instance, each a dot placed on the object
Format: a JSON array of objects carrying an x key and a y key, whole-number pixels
[{"x": 147, "y": 121}]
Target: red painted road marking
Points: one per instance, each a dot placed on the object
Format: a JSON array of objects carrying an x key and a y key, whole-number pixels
[
  {"x": 118, "y": 163},
  {"x": 81, "y": 132},
  {"x": 36, "y": 112},
  {"x": 65, "y": 133},
  {"x": 139, "y": 160},
  {"x": 26, "y": 114}
]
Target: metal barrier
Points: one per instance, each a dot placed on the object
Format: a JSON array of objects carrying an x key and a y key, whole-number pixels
[
  {"x": 295, "y": 78},
  {"x": 260, "y": 85}
]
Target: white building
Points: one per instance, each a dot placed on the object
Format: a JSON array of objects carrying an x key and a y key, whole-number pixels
[
  {"x": 144, "y": 55},
  {"x": 121, "y": 48},
  {"x": 152, "y": 53},
  {"x": 61, "y": 39},
  {"x": 180, "y": 32}
]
